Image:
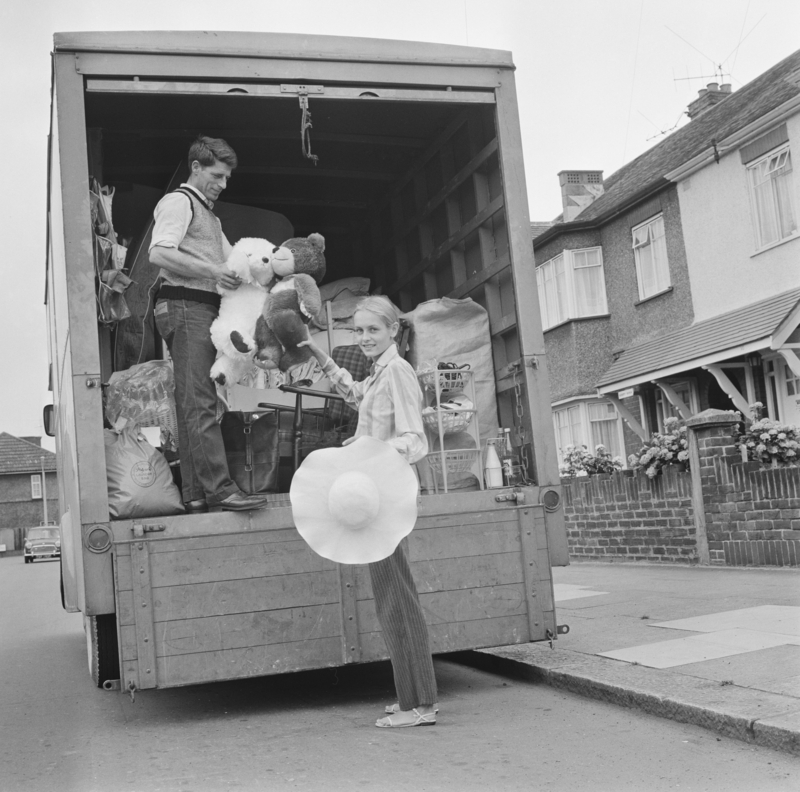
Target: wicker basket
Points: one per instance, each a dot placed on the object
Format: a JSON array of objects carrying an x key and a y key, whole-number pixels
[
  {"x": 452, "y": 420},
  {"x": 450, "y": 380},
  {"x": 459, "y": 460}
]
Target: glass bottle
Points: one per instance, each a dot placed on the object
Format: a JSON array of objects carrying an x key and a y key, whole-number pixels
[{"x": 493, "y": 470}]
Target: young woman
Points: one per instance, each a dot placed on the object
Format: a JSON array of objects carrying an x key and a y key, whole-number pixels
[{"x": 389, "y": 404}]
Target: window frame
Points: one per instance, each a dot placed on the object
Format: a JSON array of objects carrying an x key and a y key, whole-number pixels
[
  {"x": 660, "y": 286},
  {"x": 750, "y": 170},
  {"x": 582, "y": 406},
  {"x": 572, "y": 310},
  {"x": 36, "y": 486},
  {"x": 663, "y": 407}
]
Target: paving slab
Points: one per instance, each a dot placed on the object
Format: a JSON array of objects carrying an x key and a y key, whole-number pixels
[{"x": 740, "y": 679}]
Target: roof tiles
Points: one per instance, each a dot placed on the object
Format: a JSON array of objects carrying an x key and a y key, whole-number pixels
[
  {"x": 20, "y": 456},
  {"x": 753, "y": 322}
]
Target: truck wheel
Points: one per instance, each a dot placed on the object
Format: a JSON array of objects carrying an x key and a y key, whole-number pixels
[{"x": 101, "y": 644}]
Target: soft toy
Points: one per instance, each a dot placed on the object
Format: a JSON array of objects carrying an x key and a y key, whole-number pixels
[
  {"x": 293, "y": 301},
  {"x": 233, "y": 330}
]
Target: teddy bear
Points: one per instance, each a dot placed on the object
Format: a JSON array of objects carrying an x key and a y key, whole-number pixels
[
  {"x": 299, "y": 265},
  {"x": 232, "y": 332}
]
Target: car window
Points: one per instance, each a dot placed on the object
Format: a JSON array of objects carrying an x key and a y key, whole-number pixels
[{"x": 43, "y": 533}]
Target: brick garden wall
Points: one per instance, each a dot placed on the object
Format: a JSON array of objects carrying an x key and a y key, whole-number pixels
[
  {"x": 630, "y": 518},
  {"x": 752, "y": 513}
]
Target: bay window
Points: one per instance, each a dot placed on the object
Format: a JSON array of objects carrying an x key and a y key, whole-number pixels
[
  {"x": 590, "y": 423},
  {"x": 571, "y": 286}
]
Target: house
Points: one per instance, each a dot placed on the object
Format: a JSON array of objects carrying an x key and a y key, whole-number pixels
[
  {"x": 28, "y": 487},
  {"x": 673, "y": 285}
]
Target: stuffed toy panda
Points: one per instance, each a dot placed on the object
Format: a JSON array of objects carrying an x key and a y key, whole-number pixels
[{"x": 232, "y": 332}]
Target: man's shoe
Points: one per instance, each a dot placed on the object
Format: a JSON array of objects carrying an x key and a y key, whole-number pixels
[
  {"x": 240, "y": 502},
  {"x": 198, "y": 506}
]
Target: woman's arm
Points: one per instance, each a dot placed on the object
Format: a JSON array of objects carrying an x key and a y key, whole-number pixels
[
  {"x": 340, "y": 377},
  {"x": 410, "y": 439}
]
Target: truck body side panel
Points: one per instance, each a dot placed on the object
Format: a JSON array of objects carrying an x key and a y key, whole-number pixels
[{"x": 205, "y": 607}]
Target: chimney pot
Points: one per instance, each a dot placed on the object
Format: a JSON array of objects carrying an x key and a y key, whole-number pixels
[
  {"x": 725, "y": 87},
  {"x": 713, "y": 86},
  {"x": 702, "y": 92}
]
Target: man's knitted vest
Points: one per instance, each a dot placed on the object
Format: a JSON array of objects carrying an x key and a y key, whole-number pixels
[{"x": 203, "y": 242}]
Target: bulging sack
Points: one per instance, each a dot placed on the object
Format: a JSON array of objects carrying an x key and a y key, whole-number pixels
[
  {"x": 139, "y": 479},
  {"x": 458, "y": 331}
]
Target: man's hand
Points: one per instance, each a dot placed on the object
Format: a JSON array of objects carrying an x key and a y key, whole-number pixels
[{"x": 227, "y": 279}]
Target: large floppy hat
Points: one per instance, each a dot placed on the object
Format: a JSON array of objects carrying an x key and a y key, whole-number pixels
[{"x": 354, "y": 504}]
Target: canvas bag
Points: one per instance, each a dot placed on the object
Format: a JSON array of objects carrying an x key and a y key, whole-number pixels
[
  {"x": 457, "y": 331},
  {"x": 251, "y": 447},
  {"x": 139, "y": 479}
]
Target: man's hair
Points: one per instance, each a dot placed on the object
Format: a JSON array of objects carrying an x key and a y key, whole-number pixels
[{"x": 208, "y": 150}]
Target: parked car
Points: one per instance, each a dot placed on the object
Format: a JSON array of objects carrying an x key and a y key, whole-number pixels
[{"x": 42, "y": 542}]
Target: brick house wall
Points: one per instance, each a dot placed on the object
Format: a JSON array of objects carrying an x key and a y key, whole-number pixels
[
  {"x": 634, "y": 322},
  {"x": 18, "y": 510}
]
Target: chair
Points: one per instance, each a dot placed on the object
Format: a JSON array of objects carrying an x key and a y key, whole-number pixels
[{"x": 330, "y": 425}]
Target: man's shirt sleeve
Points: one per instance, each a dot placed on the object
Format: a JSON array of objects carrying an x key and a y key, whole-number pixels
[{"x": 172, "y": 217}]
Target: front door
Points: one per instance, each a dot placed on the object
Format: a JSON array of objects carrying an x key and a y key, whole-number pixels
[{"x": 790, "y": 395}]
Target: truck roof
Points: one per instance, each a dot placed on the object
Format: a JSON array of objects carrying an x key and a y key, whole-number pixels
[{"x": 280, "y": 45}]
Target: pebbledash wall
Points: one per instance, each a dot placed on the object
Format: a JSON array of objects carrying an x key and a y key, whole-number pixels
[{"x": 750, "y": 515}]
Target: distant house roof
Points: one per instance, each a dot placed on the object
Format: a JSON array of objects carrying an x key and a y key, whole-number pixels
[
  {"x": 697, "y": 344},
  {"x": 20, "y": 456},
  {"x": 646, "y": 174},
  {"x": 539, "y": 227}
]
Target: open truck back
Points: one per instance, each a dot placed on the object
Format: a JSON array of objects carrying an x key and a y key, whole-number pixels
[{"x": 419, "y": 187}]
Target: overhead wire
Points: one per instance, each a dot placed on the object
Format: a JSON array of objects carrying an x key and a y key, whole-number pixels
[{"x": 633, "y": 80}]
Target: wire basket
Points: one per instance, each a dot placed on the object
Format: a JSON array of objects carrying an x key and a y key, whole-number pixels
[
  {"x": 452, "y": 420},
  {"x": 450, "y": 380},
  {"x": 459, "y": 460}
]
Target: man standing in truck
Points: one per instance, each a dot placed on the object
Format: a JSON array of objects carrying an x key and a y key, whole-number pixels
[{"x": 190, "y": 248}]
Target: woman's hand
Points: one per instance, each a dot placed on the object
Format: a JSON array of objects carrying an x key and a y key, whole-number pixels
[
  {"x": 322, "y": 357},
  {"x": 307, "y": 341}
]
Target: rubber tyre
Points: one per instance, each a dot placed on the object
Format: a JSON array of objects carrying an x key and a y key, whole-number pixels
[
  {"x": 28, "y": 560},
  {"x": 103, "y": 648}
]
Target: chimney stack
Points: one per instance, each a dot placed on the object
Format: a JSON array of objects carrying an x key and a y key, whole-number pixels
[
  {"x": 707, "y": 97},
  {"x": 578, "y": 189}
]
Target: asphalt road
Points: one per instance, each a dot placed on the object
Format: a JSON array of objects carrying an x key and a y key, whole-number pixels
[{"x": 314, "y": 730}]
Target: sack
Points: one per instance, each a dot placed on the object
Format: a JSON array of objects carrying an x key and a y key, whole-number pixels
[
  {"x": 251, "y": 446},
  {"x": 139, "y": 478},
  {"x": 457, "y": 331}
]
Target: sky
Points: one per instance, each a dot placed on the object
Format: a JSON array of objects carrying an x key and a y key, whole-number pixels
[{"x": 598, "y": 83}]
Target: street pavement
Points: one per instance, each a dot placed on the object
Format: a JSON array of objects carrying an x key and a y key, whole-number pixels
[
  {"x": 718, "y": 647},
  {"x": 314, "y": 730}
]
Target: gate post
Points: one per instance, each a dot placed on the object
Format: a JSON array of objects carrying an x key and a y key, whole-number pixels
[{"x": 709, "y": 438}]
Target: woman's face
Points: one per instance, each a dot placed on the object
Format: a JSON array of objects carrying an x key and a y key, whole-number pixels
[{"x": 373, "y": 336}]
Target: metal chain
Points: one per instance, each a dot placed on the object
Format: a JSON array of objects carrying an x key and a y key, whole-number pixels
[{"x": 519, "y": 426}]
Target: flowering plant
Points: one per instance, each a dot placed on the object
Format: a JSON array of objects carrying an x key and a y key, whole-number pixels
[
  {"x": 669, "y": 448},
  {"x": 769, "y": 441},
  {"x": 579, "y": 461}
]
